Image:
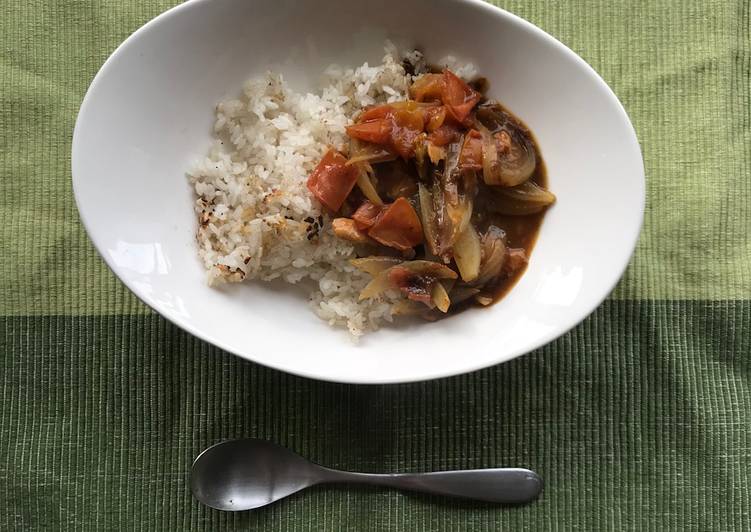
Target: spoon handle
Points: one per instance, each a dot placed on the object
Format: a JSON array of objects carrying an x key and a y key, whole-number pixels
[{"x": 502, "y": 485}]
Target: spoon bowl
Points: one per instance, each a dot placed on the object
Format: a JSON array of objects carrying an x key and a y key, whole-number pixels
[{"x": 246, "y": 474}]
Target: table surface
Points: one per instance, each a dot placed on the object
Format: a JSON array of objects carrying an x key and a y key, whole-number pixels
[{"x": 638, "y": 419}]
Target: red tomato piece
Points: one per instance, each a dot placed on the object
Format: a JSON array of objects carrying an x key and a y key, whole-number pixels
[
  {"x": 366, "y": 214},
  {"x": 378, "y": 111},
  {"x": 377, "y": 131},
  {"x": 332, "y": 180},
  {"x": 410, "y": 117},
  {"x": 403, "y": 141},
  {"x": 434, "y": 117},
  {"x": 427, "y": 87},
  {"x": 398, "y": 226},
  {"x": 458, "y": 97}
]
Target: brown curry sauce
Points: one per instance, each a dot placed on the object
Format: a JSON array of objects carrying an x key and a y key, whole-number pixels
[{"x": 395, "y": 179}]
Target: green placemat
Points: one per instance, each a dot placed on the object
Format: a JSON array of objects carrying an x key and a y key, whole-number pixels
[{"x": 638, "y": 419}]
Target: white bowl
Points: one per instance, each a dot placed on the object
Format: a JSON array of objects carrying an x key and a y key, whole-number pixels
[{"x": 149, "y": 113}]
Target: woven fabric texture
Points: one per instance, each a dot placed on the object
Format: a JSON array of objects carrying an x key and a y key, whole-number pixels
[{"x": 638, "y": 419}]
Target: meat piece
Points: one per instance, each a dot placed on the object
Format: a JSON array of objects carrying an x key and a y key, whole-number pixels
[
  {"x": 346, "y": 229},
  {"x": 398, "y": 226},
  {"x": 516, "y": 259},
  {"x": 416, "y": 287},
  {"x": 332, "y": 180}
]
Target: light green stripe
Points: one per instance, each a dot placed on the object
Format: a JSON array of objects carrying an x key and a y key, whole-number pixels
[
  {"x": 680, "y": 68},
  {"x": 683, "y": 72}
]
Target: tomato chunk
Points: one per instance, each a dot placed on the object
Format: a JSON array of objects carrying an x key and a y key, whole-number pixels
[
  {"x": 403, "y": 141},
  {"x": 458, "y": 97},
  {"x": 427, "y": 87},
  {"x": 434, "y": 117},
  {"x": 332, "y": 180},
  {"x": 377, "y": 111},
  {"x": 377, "y": 131},
  {"x": 395, "y": 127},
  {"x": 366, "y": 214},
  {"x": 398, "y": 226}
]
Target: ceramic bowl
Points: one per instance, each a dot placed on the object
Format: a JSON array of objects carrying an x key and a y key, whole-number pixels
[{"x": 149, "y": 113}]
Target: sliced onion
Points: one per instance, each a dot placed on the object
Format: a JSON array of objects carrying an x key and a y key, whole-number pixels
[
  {"x": 489, "y": 155},
  {"x": 448, "y": 178},
  {"x": 440, "y": 297},
  {"x": 468, "y": 254},
  {"x": 374, "y": 265},
  {"x": 510, "y": 168},
  {"x": 428, "y": 268},
  {"x": 381, "y": 281},
  {"x": 494, "y": 252},
  {"x": 519, "y": 163},
  {"x": 377, "y": 286},
  {"x": 365, "y": 184},
  {"x": 453, "y": 222},
  {"x": 527, "y": 198},
  {"x": 459, "y": 215},
  {"x": 455, "y": 203},
  {"x": 483, "y": 300},
  {"x": 427, "y": 215},
  {"x": 368, "y": 153}
]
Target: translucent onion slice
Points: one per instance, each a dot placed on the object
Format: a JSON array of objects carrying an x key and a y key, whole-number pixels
[
  {"x": 374, "y": 265},
  {"x": 494, "y": 253},
  {"x": 468, "y": 254},
  {"x": 514, "y": 165},
  {"x": 381, "y": 281},
  {"x": 527, "y": 198},
  {"x": 377, "y": 286},
  {"x": 365, "y": 184},
  {"x": 483, "y": 300},
  {"x": 440, "y": 297},
  {"x": 370, "y": 154}
]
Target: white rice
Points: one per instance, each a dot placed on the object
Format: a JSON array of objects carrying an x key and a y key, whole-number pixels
[{"x": 257, "y": 219}]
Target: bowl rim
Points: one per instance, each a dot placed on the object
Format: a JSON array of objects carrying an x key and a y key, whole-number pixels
[{"x": 630, "y": 240}]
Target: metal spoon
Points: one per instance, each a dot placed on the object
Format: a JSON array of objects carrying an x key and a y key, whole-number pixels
[{"x": 245, "y": 474}]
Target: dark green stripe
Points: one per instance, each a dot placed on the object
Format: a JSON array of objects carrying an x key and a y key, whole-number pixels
[{"x": 637, "y": 419}]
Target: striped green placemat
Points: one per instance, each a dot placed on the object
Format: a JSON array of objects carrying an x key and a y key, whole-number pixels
[{"x": 638, "y": 419}]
